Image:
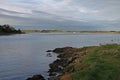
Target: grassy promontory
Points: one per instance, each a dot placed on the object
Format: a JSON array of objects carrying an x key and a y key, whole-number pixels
[{"x": 87, "y": 63}]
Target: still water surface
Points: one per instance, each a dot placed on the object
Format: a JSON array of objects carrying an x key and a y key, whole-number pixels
[{"x": 24, "y": 55}]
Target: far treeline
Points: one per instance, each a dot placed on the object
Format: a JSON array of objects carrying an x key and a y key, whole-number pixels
[{"x": 7, "y": 29}]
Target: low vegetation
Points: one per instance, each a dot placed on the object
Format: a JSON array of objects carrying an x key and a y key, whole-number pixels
[{"x": 103, "y": 63}]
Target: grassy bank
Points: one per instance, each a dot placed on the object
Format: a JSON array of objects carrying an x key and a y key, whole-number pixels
[
  {"x": 102, "y": 63},
  {"x": 92, "y": 63}
]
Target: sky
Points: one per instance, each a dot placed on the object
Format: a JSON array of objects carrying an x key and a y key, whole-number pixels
[{"x": 62, "y": 14}]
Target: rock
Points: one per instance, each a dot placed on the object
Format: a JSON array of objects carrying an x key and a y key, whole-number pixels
[
  {"x": 54, "y": 67},
  {"x": 52, "y": 73},
  {"x": 61, "y": 50},
  {"x": 36, "y": 77},
  {"x": 49, "y": 55},
  {"x": 49, "y": 51},
  {"x": 54, "y": 78}
]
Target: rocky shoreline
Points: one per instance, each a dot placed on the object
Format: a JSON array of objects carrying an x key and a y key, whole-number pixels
[
  {"x": 59, "y": 67},
  {"x": 62, "y": 67}
]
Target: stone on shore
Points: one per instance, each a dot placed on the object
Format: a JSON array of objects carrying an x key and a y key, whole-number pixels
[
  {"x": 61, "y": 50},
  {"x": 36, "y": 77},
  {"x": 49, "y": 51}
]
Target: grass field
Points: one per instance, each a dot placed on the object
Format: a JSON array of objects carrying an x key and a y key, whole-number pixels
[{"x": 100, "y": 63}]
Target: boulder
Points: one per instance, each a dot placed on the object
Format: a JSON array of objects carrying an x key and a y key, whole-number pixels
[
  {"x": 61, "y": 50},
  {"x": 36, "y": 77},
  {"x": 49, "y": 51}
]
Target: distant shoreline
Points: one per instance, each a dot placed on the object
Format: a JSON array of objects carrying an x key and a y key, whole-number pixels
[{"x": 70, "y": 32}]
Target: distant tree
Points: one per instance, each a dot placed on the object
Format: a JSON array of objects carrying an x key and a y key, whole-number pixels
[
  {"x": 8, "y": 29},
  {"x": 19, "y": 31}
]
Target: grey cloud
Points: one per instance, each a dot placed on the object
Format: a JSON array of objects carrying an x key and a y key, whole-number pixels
[
  {"x": 58, "y": 0},
  {"x": 13, "y": 17},
  {"x": 41, "y": 12},
  {"x": 68, "y": 13},
  {"x": 10, "y": 11}
]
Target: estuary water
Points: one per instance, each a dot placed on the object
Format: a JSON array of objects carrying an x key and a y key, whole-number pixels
[{"x": 24, "y": 55}]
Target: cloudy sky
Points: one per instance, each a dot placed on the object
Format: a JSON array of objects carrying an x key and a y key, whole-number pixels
[{"x": 62, "y": 14}]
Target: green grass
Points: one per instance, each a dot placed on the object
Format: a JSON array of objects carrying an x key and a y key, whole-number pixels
[{"x": 103, "y": 63}]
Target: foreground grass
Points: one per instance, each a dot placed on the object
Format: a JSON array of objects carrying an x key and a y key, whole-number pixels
[{"x": 100, "y": 63}]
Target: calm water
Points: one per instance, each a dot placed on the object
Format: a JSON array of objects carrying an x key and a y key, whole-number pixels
[{"x": 24, "y": 55}]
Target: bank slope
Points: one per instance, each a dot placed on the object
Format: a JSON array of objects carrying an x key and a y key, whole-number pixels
[{"x": 89, "y": 63}]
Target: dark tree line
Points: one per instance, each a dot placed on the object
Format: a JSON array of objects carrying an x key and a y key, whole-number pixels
[{"x": 8, "y": 29}]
